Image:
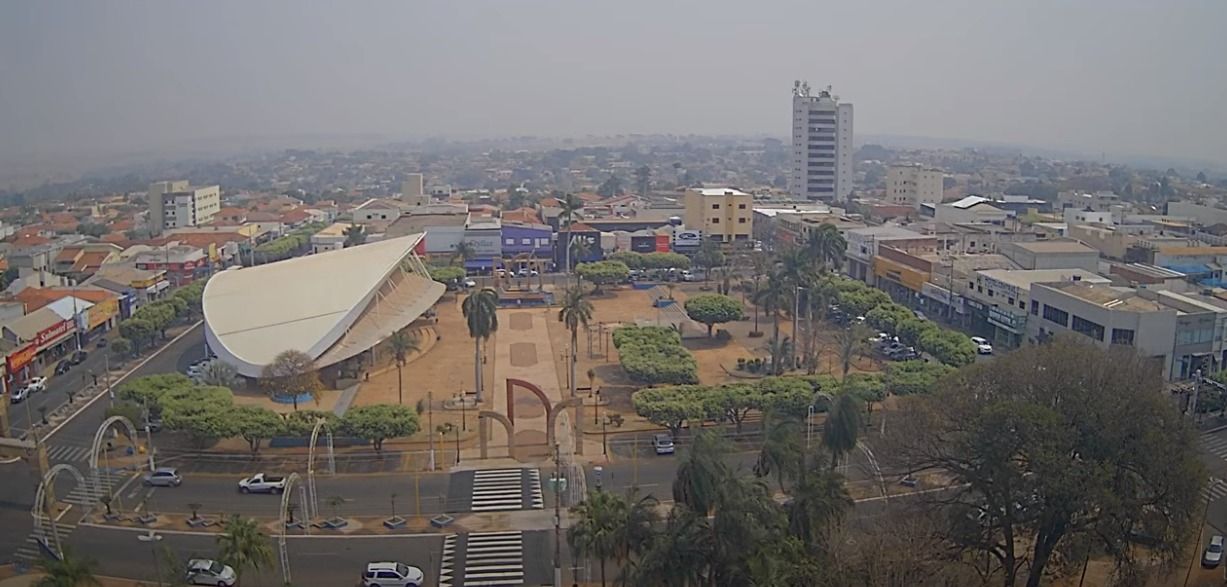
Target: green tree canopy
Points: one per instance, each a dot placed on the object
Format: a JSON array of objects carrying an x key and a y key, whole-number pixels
[
  {"x": 1057, "y": 445},
  {"x": 380, "y": 422},
  {"x": 449, "y": 274},
  {"x": 713, "y": 309},
  {"x": 255, "y": 424},
  {"x": 603, "y": 272},
  {"x": 914, "y": 377}
]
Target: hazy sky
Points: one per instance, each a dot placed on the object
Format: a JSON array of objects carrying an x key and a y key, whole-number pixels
[{"x": 1122, "y": 76}]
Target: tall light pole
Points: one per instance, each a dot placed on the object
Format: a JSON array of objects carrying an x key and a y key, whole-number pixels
[
  {"x": 153, "y": 538},
  {"x": 430, "y": 419},
  {"x": 557, "y": 516},
  {"x": 796, "y": 312}
]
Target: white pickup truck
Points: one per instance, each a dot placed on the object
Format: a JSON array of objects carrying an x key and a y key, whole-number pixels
[{"x": 262, "y": 483}]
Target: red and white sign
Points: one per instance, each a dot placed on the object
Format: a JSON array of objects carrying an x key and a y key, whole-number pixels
[{"x": 52, "y": 334}]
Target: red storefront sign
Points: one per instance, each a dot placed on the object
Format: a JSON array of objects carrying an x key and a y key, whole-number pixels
[
  {"x": 51, "y": 333},
  {"x": 18, "y": 359},
  {"x": 662, "y": 243}
]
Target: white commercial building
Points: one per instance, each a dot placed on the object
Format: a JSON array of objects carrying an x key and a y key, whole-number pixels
[
  {"x": 821, "y": 145},
  {"x": 331, "y": 306},
  {"x": 913, "y": 185},
  {"x": 175, "y": 204}
]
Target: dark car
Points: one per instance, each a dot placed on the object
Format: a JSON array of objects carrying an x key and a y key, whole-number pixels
[
  {"x": 62, "y": 367},
  {"x": 102, "y": 343},
  {"x": 79, "y": 357}
]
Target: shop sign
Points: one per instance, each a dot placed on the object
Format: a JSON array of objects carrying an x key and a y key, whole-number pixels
[
  {"x": 102, "y": 311},
  {"x": 52, "y": 333},
  {"x": 21, "y": 357}
]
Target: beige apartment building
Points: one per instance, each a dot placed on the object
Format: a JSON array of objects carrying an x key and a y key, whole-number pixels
[
  {"x": 175, "y": 204},
  {"x": 723, "y": 214},
  {"x": 913, "y": 185}
]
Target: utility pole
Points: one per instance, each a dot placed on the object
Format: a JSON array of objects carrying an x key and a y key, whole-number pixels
[
  {"x": 557, "y": 516},
  {"x": 1196, "y": 391},
  {"x": 430, "y": 419}
]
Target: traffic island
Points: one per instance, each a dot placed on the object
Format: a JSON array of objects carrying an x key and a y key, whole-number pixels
[{"x": 395, "y": 523}]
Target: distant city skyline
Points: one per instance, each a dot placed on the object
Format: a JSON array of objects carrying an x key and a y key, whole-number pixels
[{"x": 92, "y": 82}]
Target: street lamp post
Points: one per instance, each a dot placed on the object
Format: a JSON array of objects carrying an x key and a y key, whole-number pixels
[
  {"x": 430, "y": 418},
  {"x": 457, "y": 444},
  {"x": 463, "y": 413},
  {"x": 153, "y": 538}
]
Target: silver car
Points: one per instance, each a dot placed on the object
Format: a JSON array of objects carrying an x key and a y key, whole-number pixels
[
  {"x": 163, "y": 477},
  {"x": 1214, "y": 553}
]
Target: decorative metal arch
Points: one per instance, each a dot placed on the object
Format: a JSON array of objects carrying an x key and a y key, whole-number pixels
[
  {"x": 42, "y": 510},
  {"x": 551, "y": 420},
  {"x": 102, "y": 430},
  {"x": 313, "y": 497},
  {"x": 512, "y": 384},
  {"x": 292, "y": 482},
  {"x": 483, "y": 431}
]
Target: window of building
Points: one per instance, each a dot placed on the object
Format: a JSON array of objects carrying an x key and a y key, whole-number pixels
[
  {"x": 990, "y": 292},
  {"x": 526, "y": 241},
  {"x": 1011, "y": 300},
  {"x": 715, "y": 206},
  {"x": 1056, "y": 315},
  {"x": 1022, "y": 305},
  {"x": 741, "y": 221},
  {"x": 1122, "y": 336},
  {"x": 741, "y": 206},
  {"x": 1092, "y": 329},
  {"x": 971, "y": 285},
  {"x": 509, "y": 241},
  {"x": 715, "y": 221}
]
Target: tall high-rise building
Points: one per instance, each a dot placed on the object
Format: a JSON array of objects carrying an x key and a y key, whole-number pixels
[
  {"x": 175, "y": 204},
  {"x": 821, "y": 145}
]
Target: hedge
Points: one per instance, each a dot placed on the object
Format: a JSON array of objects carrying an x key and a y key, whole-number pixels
[{"x": 654, "y": 354}]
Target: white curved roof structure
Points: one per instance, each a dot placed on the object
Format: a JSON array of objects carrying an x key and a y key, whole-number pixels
[{"x": 331, "y": 306}]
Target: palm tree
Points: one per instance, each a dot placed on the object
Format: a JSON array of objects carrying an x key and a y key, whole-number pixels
[
  {"x": 70, "y": 571},
  {"x": 782, "y": 452},
  {"x": 580, "y": 249},
  {"x": 772, "y": 296},
  {"x": 402, "y": 344},
  {"x": 842, "y": 427},
  {"x": 612, "y": 526},
  {"x": 481, "y": 313},
  {"x": 242, "y": 545},
  {"x": 576, "y": 310},
  {"x": 355, "y": 234},
  {"x": 680, "y": 555},
  {"x": 702, "y": 474},
  {"x": 464, "y": 251},
  {"x": 825, "y": 246},
  {"x": 850, "y": 342},
  {"x": 819, "y": 500},
  {"x": 570, "y": 204}
]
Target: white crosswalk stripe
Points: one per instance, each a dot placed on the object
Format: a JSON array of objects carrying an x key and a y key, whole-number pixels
[
  {"x": 1214, "y": 490},
  {"x": 81, "y": 498},
  {"x": 68, "y": 453},
  {"x": 490, "y": 559},
  {"x": 503, "y": 489}
]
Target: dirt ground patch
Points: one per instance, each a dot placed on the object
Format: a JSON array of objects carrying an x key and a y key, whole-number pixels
[
  {"x": 523, "y": 354},
  {"x": 521, "y": 321}
]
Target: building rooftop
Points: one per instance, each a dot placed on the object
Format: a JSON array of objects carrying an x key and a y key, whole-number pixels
[
  {"x": 1056, "y": 247},
  {"x": 719, "y": 192},
  {"x": 886, "y": 232},
  {"x": 968, "y": 202},
  {"x": 1108, "y": 296},
  {"x": 1023, "y": 278}
]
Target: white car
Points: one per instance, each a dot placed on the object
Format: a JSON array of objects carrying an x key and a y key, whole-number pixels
[
  {"x": 19, "y": 395},
  {"x": 202, "y": 571},
  {"x": 389, "y": 574},
  {"x": 982, "y": 345},
  {"x": 469, "y": 283},
  {"x": 37, "y": 384}
]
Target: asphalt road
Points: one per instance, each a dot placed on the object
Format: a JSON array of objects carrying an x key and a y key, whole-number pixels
[
  {"x": 365, "y": 495},
  {"x": 20, "y": 480},
  {"x": 57, "y": 390},
  {"x": 326, "y": 561}
]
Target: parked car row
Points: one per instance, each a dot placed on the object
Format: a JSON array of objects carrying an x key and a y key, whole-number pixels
[
  {"x": 377, "y": 574},
  {"x": 34, "y": 385}
]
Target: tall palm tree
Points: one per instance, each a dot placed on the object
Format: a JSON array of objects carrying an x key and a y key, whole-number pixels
[
  {"x": 464, "y": 251},
  {"x": 70, "y": 571},
  {"x": 772, "y": 296},
  {"x": 611, "y": 526},
  {"x": 842, "y": 427},
  {"x": 481, "y": 313},
  {"x": 242, "y": 545},
  {"x": 680, "y": 555},
  {"x": 355, "y": 234},
  {"x": 702, "y": 474},
  {"x": 402, "y": 344},
  {"x": 825, "y": 246},
  {"x": 570, "y": 204},
  {"x": 576, "y": 310},
  {"x": 782, "y": 453},
  {"x": 580, "y": 249},
  {"x": 819, "y": 500}
]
